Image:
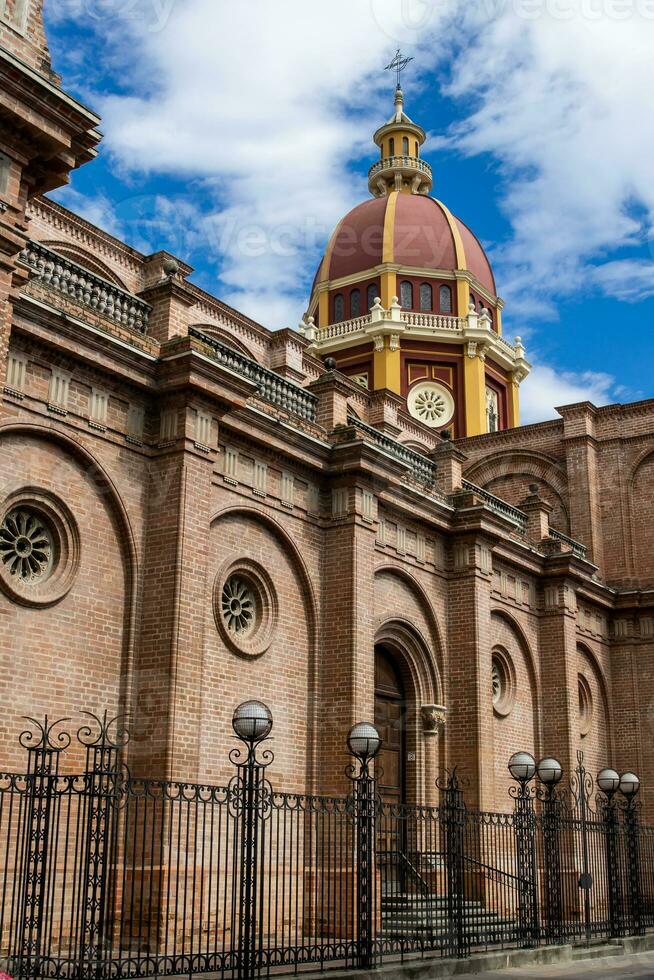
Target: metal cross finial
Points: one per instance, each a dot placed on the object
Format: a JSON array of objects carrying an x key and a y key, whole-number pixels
[{"x": 398, "y": 64}]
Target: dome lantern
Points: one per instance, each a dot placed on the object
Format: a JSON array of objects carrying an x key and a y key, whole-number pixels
[{"x": 400, "y": 167}]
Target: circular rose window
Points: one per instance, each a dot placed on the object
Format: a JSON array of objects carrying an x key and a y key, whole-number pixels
[
  {"x": 39, "y": 548},
  {"x": 585, "y": 705},
  {"x": 245, "y": 607},
  {"x": 431, "y": 403},
  {"x": 502, "y": 683},
  {"x": 26, "y": 545},
  {"x": 239, "y": 606}
]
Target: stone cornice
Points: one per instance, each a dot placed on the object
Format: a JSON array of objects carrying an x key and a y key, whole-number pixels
[{"x": 130, "y": 360}]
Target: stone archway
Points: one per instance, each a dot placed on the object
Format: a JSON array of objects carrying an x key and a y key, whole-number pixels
[{"x": 416, "y": 685}]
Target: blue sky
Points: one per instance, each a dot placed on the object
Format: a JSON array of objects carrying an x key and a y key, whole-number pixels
[{"x": 236, "y": 135}]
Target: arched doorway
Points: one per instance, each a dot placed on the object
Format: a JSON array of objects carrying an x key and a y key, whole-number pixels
[{"x": 390, "y": 716}]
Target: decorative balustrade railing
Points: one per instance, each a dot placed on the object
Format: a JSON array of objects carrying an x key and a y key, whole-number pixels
[
  {"x": 104, "y": 876},
  {"x": 74, "y": 281},
  {"x": 422, "y": 468},
  {"x": 400, "y": 163},
  {"x": 578, "y": 549},
  {"x": 271, "y": 387},
  {"x": 518, "y": 517},
  {"x": 434, "y": 321}
]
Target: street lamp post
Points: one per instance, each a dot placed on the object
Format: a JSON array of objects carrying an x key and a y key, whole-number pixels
[
  {"x": 522, "y": 768},
  {"x": 550, "y": 773},
  {"x": 252, "y": 723},
  {"x": 364, "y": 742}
]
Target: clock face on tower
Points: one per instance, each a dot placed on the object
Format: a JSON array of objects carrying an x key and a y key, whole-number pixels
[{"x": 431, "y": 403}]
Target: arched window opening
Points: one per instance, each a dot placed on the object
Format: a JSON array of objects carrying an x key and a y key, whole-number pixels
[
  {"x": 406, "y": 295},
  {"x": 405, "y": 146},
  {"x": 339, "y": 308},
  {"x": 445, "y": 299},
  {"x": 391, "y": 147},
  {"x": 492, "y": 409},
  {"x": 425, "y": 298},
  {"x": 355, "y": 303},
  {"x": 372, "y": 294},
  {"x": 473, "y": 302},
  {"x": 417, "y": 149}
]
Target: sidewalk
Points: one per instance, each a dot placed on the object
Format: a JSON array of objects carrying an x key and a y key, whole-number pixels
[{"x": 634, "y": 965}]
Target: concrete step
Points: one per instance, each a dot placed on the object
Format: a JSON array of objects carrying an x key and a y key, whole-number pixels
[{"x": 596, "y": 952}]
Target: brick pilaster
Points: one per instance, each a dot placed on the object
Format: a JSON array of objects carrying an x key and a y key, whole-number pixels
[
  {"x": 559, "y": 684},
  {"x": 470, "y": 712},
  {"x": 168, "y": 681},
  {"x": 347, "y": 683},
  {"x": 583, "y": 478}
]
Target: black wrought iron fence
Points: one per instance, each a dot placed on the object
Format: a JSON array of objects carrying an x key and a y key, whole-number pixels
[{"x": 103, "y": 875}]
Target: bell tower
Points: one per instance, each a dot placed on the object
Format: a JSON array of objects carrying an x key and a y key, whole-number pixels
[{"x": 44, "y": 134}]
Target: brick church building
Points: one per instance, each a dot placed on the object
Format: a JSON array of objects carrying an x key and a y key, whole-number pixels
[{"x": 346, "y": 521}]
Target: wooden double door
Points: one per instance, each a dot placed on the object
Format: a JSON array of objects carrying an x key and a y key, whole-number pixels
[{"x": 390, "y": 718}]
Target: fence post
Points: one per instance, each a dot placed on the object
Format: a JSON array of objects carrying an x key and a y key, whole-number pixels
[
  {"x": 101, "y": 788},
  {"x": 608, "y": 782},
  {"x": 551, "y": 824},
  {"x": 632, "y": 840},
  {"x": 248, "y": 790},
  {"x": 364, "y": 743},
  {"x": 454, "y": 819},
  {"x": 37, "y": 838},
  {"x": 523, "y": 768}
]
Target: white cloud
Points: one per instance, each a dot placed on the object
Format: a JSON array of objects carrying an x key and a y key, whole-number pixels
[
  {"x": 560, "y": 100},
  {"x": 629, "y": 280},
  {"x": 545, "y": 388},
  {"x": 262, "y": 106},
  {"x": 99, "y": 210}
]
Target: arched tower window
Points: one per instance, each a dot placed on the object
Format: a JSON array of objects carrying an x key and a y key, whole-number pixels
[
  {"x": 406, "y": 295},
  {"x": 405, "y": 146},
  {"x": 417, "y": 149},
  {"x": 355, "y": 303},
  {"x": 339, "y": 308},
  {"x": 445, "y": 296},
  {"x": 391, "y": 147},
  {"x": 372, "y": 294},
  {"x": 425, "y": 298},
  {"x": 492, "y": 409}
]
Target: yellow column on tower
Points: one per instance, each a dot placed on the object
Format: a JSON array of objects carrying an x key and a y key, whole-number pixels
[
  {"x": 514, "y": 402},
  {"x": 389, "y": 278},
  {"x": 387, "y": 367},
  {"x": 323, "y": 308},
  {"x": 387, "y": 361},
  {"x": 462, "y": 296},
  {"x": 474, "y": 391}
]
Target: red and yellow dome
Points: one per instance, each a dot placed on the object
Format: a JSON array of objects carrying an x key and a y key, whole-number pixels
[
  {"x": 409, "y": 230},
  {"x": 404, "y": 299}
]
